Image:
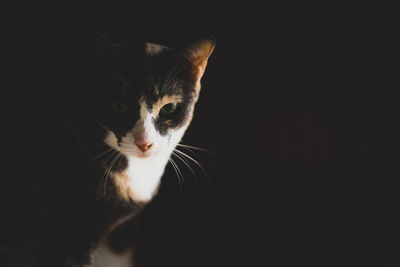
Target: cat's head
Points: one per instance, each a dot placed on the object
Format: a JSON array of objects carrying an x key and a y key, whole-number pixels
[{"x": 143, "y": 98}]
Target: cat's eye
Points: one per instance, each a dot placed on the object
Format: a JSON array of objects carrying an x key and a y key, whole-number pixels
[
  {"x": 168, "y": 109},
  {"x": 120, "y": 108}
]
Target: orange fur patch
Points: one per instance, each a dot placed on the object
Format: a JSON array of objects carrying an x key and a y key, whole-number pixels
[
  {"x": 164, "y": 101},
  {"x": 121, "y": 183}
]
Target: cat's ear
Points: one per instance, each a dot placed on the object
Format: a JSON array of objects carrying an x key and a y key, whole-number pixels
[
  {"x": 101, "y": 47},
  {"x": 154, "y": 49},
  {"x": 197, "y": 54}
]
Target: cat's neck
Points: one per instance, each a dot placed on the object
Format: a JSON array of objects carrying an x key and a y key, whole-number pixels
[{"x": 140, "y": 180}]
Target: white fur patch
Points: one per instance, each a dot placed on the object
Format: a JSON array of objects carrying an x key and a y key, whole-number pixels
[
  {"x": 141, "y": 179},
  {"x": 104, "y": 257}
]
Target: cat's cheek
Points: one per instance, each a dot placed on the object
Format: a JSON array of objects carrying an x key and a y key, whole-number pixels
[{"x": 176, "y": 137}]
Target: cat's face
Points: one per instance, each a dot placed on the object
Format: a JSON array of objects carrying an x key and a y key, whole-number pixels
[{"x": 144, "y": 102}]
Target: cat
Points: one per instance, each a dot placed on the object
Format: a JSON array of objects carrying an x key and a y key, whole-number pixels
[{"x": 126, "y": 111}]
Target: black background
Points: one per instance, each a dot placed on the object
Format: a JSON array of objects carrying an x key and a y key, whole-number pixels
[{"x": 301, "y": 115}]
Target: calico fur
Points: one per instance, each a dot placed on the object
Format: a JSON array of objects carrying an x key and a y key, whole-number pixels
[{"x": 96, "y": 175}]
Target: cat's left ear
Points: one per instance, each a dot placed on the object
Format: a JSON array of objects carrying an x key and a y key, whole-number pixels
[{"x": 197, "y": 54}]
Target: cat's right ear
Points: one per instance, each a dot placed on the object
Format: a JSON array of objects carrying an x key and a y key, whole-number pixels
[
  {"x": 196, "y": 55},
  {"x": 100, "y": 46}
]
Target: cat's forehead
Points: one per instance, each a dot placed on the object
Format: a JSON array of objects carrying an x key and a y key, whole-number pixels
[
  {"x": 151, "y": 80},
  {"x": 153, "y": 83},
  {"x": 148, "y": 81},
  {"x": 160, "y": 92}
]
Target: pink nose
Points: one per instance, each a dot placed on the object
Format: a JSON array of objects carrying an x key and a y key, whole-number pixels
[{"x": 143, "y": 146}]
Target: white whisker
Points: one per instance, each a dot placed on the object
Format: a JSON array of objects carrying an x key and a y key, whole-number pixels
[
  {"x": 199, "y": 164},
  {"x": 106, "y": 167},
  {"x": 196, "y": 148},
  {"x": 173, "y": 164},
  {"x": 108, "y": 172},
  {"x": 90, "y": 161},
  {"x": 187, "y": 165},
  {"x": 169, "y": 78},
  {"x": 97, "y": 146}
]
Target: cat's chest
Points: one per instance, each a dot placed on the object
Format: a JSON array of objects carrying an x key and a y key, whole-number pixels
[{"x": 141, "y": 178}]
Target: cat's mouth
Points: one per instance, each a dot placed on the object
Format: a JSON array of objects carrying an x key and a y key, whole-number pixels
[
  {"x": 137, "y": 153},
  {"x": 143, "y": 155}
]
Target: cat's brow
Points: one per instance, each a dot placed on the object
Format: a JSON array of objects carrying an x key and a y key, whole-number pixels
[{"x": 170, "y": 77}]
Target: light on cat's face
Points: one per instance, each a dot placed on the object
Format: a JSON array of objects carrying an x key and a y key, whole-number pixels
[
  {"x": 146, "y": 103},
  {"x": 158, "y": 130}
]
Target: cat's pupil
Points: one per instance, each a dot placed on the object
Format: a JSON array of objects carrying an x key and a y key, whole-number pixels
[{"x": 168, "y": 109}]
